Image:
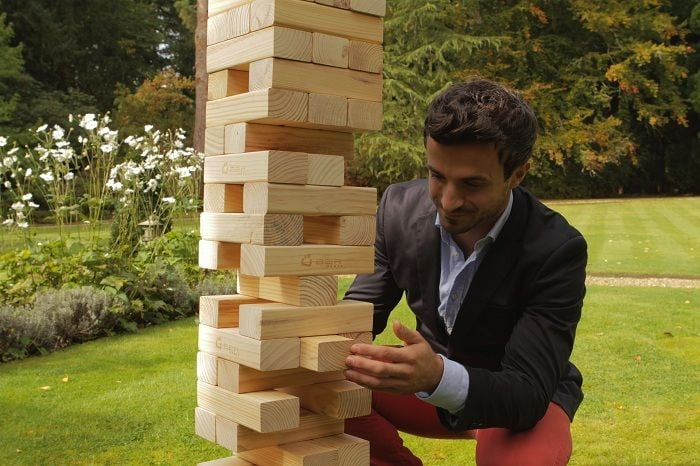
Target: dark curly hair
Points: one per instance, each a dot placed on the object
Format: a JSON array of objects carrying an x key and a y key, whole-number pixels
[{"x": 481, "y": 111}]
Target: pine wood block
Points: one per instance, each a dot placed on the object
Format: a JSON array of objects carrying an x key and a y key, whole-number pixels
[
  {"x": 249, "y": 137},
  {"x": 370, "y": 7},
  {"x": 215, "y": 255},
  {"x": 207, "y": 366},
  {"x": 271, "y": 229},
  {"x": 274, "y": 320},
  {"x": 271, "y": 165},
  {"x": 264, "y": 355},
  {"x": 205, "y": 424},
  {"x": 272, "y": 106},
  {"x": 226, "y": 83},
  {"x": 221, "y": 311},
  {"x": 324, "y": 353},
  {"x": 228, "y": 24},
  {"x": 365, "y": 115},
  {"x": 269, "y": 198},
  {"x": 297, "y": 291},
  {"x": 305, "y": 453},
  {"x": 345, "y": 4},
  {"x": 214, "y": 7},
  {"x": 266, "y": 411},
  {"x": 242, "y": 379},
  {"x": 366, "y": 56},
  {"x": 271, "y": 42},
  {"x": 359, "y": 337},
  {"x": 239, "y": 438},
  {"x": 313, "y": 17},
  {"x": 352, "y": 451},
  {"x": 229, "y": 461},
  {"x": 277, "y": 261},
  {"x": 214, "y": 140},
  {"x": 328, "y": 110},
  {"x": 310, "y": 77},
  {"x": 340, "y": 399},
  {"x": 346, "y": 230},
  {"x": 223, "y": 198},
  {"x": 326, "y": 170},
  {"x": 330, "y": 50}
]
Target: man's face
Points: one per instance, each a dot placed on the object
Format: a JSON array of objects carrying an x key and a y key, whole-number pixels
[{"x": 467, "y": 185}]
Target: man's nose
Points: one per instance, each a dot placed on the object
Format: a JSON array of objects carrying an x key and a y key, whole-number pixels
[{"x": 451, "y": 200}]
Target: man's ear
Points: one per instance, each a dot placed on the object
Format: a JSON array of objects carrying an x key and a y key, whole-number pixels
[{"x": 518, "y": 174}]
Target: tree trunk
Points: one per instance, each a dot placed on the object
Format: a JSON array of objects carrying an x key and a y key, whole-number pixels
[{"x": 200, "y": 75}]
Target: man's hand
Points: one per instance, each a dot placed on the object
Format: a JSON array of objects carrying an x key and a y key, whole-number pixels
[{"x": 412, "y": 368}]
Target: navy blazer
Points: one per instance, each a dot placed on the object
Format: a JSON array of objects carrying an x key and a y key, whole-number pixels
[{"x": 515, "y": 329}]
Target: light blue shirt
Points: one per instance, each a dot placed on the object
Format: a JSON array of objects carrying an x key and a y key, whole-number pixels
[{"x": 456, "y": 275}]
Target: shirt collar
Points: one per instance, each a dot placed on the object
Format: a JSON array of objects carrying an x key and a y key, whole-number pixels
[{"x": 495, "y": 229}]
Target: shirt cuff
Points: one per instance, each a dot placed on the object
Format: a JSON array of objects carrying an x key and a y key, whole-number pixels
[{"x": 451, "y": 393}]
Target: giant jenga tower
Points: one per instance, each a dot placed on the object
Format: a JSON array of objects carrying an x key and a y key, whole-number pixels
[{"x": 289, "y": 83}]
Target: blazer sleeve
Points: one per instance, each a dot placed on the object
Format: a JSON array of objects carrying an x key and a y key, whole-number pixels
[
  {"x": 379, "y": 288},
  {"x": 537, "y": 353}
]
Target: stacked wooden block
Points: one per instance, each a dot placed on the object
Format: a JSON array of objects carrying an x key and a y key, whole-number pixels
[{"x": 289, "y": 82}]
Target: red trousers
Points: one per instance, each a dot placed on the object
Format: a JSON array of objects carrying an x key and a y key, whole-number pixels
[{"x": 548, "y": 443}]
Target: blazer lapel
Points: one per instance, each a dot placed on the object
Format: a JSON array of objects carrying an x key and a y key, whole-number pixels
[
  {"x": 495, "y": 266},
  {"x": 428, "y": 266}
]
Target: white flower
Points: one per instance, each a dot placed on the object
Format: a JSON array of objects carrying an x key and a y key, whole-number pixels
[
  {"x": 151, "y": 185},
  {"x": 130, "y": 141},
  {"x": 88, "y": 122},
  {"x": 62, "y": 144},
  {"x": 29, "y": 172},
  {"x": 114, "y": 185},
  {"x": 13, "y": 151},
  {"x": 7, "y": 162},
  {"x": 33, "y": 205},
  {"x": 23, "y": 224},
  {"x": 42, "y": 128},
  {"x": 87, "y": 168},
  {"x": 47, "y": 176},
  {"x": 17, "y": 206},
  {"x": 106, "y": 148},
  {"x": 169, "y": 200},
  {"x": 70, "y": 118},
  {"x": 148, "y": 128},
  {"x": 27, "y": 197},
  {"x": 8, "y": 222},
  {"x": 7, "y": 184},
  {"x": 3, "y": 141},
  {"x": 57, "y": 132},
  {"x": 69, "y": 176}
]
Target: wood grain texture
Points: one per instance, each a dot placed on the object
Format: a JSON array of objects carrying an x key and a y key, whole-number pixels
[
  {"x": 330, "y": 50},
  {"x": 278, "y": 42},
  {"x": 239, "y": 438},
  {"x": 215, "y": 255},
  {"x": 370, "y": 7},
  {"x": 305, "y": 453},
  {"x": 275, "y": 320},
  {"x": 221, "y": 311},
  {"x": 249, "y": 137},
  {"x": 328, "y": 110},
  {"x": 242, "y": 379},
  {"x": 273, "y": 261},
  {"x": 352, "y": 451},
  {"x": 266, "y": 411},
  {"x": 317, "y": 18},
  {"x": 341, "y": 399},
  {"x": 347, "y": 230},
  {"x": 326, "y": 170},
  {"x": 228, "y": 461},
  {"x": 214, "y": 7},
  {"x": 226, "y": 83},
  {"x": 207, "y": 367},
  {"x": 228, "y": 24},
  {"x": 214, "y": 140},
  {"x": 344, "y": 4},
  {"x": 264, "y": 355},
  {"x": 262, "y": 198},
  {"x": 324, "y": 353},
  {"x": 271, "y": 229},
  {"x": 205, "y": 424},
  {"x": 366, "y": 56},
  {"x": 223, "y": 198},
  {"x": 272, "y": 166},
  {"x": 297, "y": 291},
  {"x": 273, "y": 106},
  {"x": 365, "y": 115},
  {"x": 319, "y": 79}
]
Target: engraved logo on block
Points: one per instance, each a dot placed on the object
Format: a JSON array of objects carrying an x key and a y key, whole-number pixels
[
  {"x": 226, "y": 347},
  {"x": 229, "y": 168},
  {"x": 307, "y": 260}
]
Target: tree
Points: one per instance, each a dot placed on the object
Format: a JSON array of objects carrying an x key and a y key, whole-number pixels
[{"x": 11, "y": 73}]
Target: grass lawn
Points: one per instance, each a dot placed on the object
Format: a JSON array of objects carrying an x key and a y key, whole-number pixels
[{"x": 130, "y": 399}]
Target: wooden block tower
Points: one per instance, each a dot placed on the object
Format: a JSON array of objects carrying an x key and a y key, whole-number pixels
[{"x": 289, "y": 83}]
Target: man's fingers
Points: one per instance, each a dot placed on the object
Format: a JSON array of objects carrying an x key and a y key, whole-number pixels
[
  {"x": 408, "y": 336},
  {"x": 375, "y": 367},
  {"x": 379, "y": 352}
]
